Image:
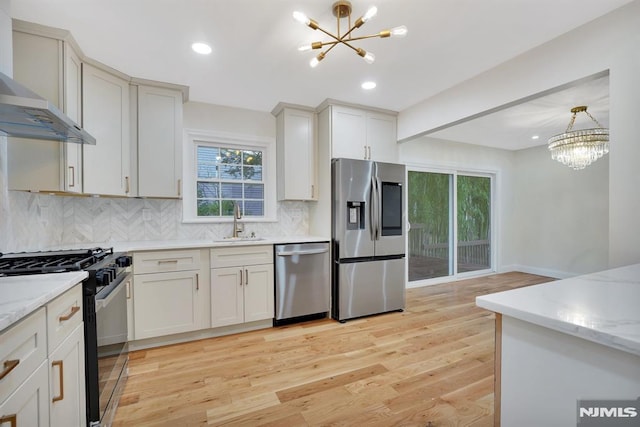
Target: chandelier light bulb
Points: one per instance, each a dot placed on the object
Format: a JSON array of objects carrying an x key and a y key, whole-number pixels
[
  {"x": 400, "y": 31},
  {"x": 373, "y": 11},
  {"x": 301, "y": 18},
  {"x": 315, "y": 61},
  {"x": 304, "y": 48},
  {"x": 201, "y": 48},
  {"x": 369, "y": 58}
]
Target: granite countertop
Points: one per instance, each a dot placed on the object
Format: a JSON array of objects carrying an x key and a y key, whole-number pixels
[
  {"x": 600, "y": 307},
  {"x": 22, "y": 295}
]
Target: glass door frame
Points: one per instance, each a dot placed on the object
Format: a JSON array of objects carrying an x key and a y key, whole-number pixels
[{"x": 453, "y": 225}]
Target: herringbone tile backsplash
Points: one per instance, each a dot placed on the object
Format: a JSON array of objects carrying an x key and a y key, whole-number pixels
[{"x": 39, "y": 221}]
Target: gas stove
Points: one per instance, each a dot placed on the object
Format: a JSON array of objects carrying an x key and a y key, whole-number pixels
[{"x": 103, "y": 265}]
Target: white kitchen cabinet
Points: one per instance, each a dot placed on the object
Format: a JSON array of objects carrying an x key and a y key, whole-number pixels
[
  {"x": 362, "y": 134},
  {"x": 28, "y": 404},
  {"x": 241, "y": 285},
  {"x": 67, "y": 381},
  {"x": 157, "y": 159},
  {"x": 46, "y": 62},
  {"x": 43, "y": 377},
  {"x": 170, "y": 292},
  {"x": 105, "y": 103},
  {"x": 296, "y": 153}
]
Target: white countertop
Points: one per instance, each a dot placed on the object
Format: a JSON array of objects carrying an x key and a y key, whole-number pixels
[
  {"x": 151, "y": 245},
  {"x": 602, "y": 307},
  {"x": 21, "y": 295}
]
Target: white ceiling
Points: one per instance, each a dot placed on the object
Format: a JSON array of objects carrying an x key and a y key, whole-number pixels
[{"x": 255, "y": 63}]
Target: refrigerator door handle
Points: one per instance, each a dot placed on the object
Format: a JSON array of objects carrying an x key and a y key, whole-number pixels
[
  {"x": 373, "y": 209},
  {"x": 379, "y": 208}
]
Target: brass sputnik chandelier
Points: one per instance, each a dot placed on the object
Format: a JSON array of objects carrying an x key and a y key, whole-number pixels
[
  {"x": 342, "y": 10},
  {"x": 579, "y": 148}
]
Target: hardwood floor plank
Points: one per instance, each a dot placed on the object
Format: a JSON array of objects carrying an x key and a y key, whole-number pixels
[{"x": 434, "y": 362}]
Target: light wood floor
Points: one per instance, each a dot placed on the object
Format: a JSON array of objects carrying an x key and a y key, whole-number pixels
[{"x": 430, "y": 365}]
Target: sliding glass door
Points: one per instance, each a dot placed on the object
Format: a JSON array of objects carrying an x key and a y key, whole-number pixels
[{"x": 441, "y": 243}]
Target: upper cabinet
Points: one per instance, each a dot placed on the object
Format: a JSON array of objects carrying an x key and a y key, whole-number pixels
[
  {"x": 105, "y": 102},
  {"x": 358, "y": 133},
  {"x": 46, "y": 61},
  {"x": 296, "y": 153},
  {"x": 157, "y": 159}
]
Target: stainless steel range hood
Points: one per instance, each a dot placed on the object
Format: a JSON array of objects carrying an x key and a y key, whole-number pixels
[{"x": 24, "y": 114}]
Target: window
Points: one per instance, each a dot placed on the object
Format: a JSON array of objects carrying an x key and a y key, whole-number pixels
[
  {"x": 223, "y": 170},
  {"x": 227, "y": 176}
]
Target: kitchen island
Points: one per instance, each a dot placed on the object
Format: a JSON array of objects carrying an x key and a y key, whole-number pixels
[{"x": 563, "y": 341}]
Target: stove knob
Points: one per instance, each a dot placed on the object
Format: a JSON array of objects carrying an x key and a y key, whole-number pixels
[
  {"x": 103, "y": 278},
  {"x": 123, "y": 261}
]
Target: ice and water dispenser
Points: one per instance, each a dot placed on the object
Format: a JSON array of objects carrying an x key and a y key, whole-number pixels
[{"x": 355, "y": 215}]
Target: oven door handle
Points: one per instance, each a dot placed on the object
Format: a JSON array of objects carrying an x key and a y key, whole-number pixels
[{"x": 103, "y": 302}]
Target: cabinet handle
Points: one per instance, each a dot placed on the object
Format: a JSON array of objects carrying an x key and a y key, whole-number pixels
[
  {"x": 127, "y": 288},
  {"x": 126, "y": 184},
  {"x": 313, "y": 191},
  {"x": 72, "y": 170},
  {"x": 179, "y": 187},
  {"x": 365, "y": 152},
  {"x": 9, "y": 365},
  {"x": 167, "y": 261},
  {"x": 246, "y": 277},
  {"x": 241, "y": 280},
  {"x": 66, "y": 317},
  {"x": 59, "y": 363},
  {"x": 369, "y": 149},
  {"x": 13, "y": 419},
  {"x": 197, "y": 281}
]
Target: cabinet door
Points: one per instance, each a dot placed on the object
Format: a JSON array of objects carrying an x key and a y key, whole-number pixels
[
  {"x": 227, "y": 305},
  {"x": 165, "y": 303},
  {"x": 105, "y": 103},
  {"x": 66, "y": 381},
  {"x": 73, "y": 108},
  {"x": 348, "y": 133},
  {"x": 381, "y": 137},
  {"x": 29, "y": 404},
  {"x": 258, "y": 293},
  {"x": 159, "y": 142},
  {"x": 296, "y": 155}
]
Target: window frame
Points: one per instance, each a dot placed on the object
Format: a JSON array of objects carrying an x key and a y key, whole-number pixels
[{"x": 194, "y": 138}]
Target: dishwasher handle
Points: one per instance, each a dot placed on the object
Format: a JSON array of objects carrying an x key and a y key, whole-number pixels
[{"x": 308, "y": 252}]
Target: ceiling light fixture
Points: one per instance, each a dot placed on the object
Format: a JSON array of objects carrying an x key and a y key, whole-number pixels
[
  {"x": 368, "y": 85},
  {"x": 201, "y": 48},
  {"x": 579, "y": 148},
  {"x": 342, "y": 10}
]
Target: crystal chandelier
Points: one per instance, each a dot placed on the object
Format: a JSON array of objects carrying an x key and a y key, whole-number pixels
[
  {"x": 579, "y": 148},
  {"x": 342, "y": 10}
]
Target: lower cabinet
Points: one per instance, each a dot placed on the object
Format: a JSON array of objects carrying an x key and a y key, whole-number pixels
[
  {"x": 170, "y": 292},
  {"x": 28, "y": 405},
  {"x": 241, "y": 285},
  {"x": 42, "y": 382},
  {"x": 67, "y": 382}
]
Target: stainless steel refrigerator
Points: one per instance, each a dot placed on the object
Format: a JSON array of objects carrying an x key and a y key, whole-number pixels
[{"x": 368, "y": 238}]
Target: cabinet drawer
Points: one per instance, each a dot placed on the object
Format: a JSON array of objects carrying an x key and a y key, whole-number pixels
[
  {"x": 64, "y": 314},
  {"x": 23, "y": 349},
  {"x": 164, "y": 261},
  {"x": 241, "y": 256}
]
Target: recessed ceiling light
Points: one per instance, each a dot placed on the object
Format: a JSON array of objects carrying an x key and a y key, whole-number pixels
[
  {"x": 535, "y": 137},
  {"x": 368, "y": 85},
  {"x": 201, "y": 48}
]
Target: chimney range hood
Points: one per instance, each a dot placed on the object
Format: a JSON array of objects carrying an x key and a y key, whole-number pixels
[{"x": 24, "y": 114}]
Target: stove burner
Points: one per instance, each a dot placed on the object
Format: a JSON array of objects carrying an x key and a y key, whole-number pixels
[{"x": 21, "y": 263}]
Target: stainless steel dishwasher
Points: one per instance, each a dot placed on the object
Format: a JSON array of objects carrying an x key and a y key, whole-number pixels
[{"x": 303, "y": 283}]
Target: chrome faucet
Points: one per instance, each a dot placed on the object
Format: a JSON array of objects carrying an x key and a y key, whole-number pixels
[{"x": 237, "y": 228}]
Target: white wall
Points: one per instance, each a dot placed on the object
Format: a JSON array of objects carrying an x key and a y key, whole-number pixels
[
  {"x": 608, "y": 43},
  {"x": 562, "y": 215},
  {"x": 440, "y": 154}
]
